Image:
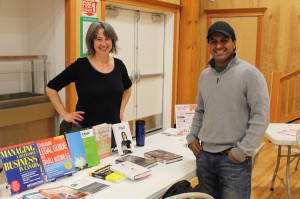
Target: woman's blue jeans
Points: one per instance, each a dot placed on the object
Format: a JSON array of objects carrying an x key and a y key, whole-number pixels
[{"x": 223, "y": 179}]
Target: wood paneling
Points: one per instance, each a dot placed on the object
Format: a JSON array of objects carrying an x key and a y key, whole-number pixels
[
  {"x": 188, "y": 68},
  {"x": 280, "y": 33},
  {"x": 285, "y": 96}
]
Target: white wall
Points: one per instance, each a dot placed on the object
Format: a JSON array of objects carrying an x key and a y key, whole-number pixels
[{"x": 31, "y": 27}]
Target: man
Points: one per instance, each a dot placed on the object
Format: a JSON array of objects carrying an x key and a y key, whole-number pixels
[{"x": 231, "y": 117}]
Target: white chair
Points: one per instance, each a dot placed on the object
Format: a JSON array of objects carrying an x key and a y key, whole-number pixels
[
  {"x": 298, "y": 137},
  {"x": 191, "y": 195},
  {"x": 298, "y": 143},
  {"x": 256, "y": 153}
]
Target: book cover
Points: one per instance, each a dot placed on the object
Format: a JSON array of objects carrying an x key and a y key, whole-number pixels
[
  {"x": 76, "y": 148},
  {"x": 131, "y": 170},
  {"x": 144, "y": 162},
  {"x": 86, "y": 185},
  {"x": 105, "y": 173},
  {"x": 123, "y": 138},
  {"x": 21, "y": 166},
  {"x": 102, "y": 133},
  {"x": 163, "y": 156},
  {"x": 62, "y": 192},
  {"x": 90, "y": 147},
  {"x": 35, "y": 195},
  {"x": 55, "y": 157}
]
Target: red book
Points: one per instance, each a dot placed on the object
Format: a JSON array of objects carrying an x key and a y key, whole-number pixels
[{"x": 55, "y": 157}]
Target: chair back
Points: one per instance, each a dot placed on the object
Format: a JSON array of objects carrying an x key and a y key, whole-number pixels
[
  {"x": 191, "y": 195},
  {"x": 298, "y": 137}
]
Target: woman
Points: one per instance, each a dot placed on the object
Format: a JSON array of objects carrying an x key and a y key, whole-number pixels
[
  {"x": 126, "y": 144},
  {"x": 102, "y": 82}
]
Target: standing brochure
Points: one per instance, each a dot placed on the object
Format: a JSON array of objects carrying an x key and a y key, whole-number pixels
[
  {"x": 184, "y": 114},
  {"x": 123, "y": 138},
  {"x": 90, "y": 147},
  {"x": 55, "y": 157},
  {"x": 163, "y": 156},
  {"x": 86, "y": 185},
  {"x": 102, "y": 133},
  {"x": 131, "y": 170},
  {"x": 21, "y": 166},
  {"x": 144, "y": 162},
  {"x": 76, "y": 147}
]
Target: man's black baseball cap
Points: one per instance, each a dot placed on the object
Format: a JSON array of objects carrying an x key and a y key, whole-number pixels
[{"x": 222, "y": 27}]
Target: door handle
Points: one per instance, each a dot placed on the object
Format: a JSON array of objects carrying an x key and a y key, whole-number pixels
[
  {"x": 132, "y": 77},
  {"x": 138, "y": 76}
]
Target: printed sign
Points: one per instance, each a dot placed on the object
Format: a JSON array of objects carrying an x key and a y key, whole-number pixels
[{"x": 89, "y": 8}]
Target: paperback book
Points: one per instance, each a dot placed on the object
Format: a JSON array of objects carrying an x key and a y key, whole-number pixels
[
  {"x": 62, "y": 192},
  {"x": 21, "y": 167},
  {"x": 163, "y": 156},
  {"x": 90, "y": 147},
  {"x": 144, "y": 162},
  {"x": 123, "y": 138},
  {"x": 55, "y": 157},
  {"x": 102, "y": 133},
  {"x": 86, "y": 185},
  {"x": 106, "y": 173},
  {"x": 76, "y": 148},
  {"x": 131, "y": 170}
]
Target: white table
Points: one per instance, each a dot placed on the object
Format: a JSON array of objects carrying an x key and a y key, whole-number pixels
[
  {"x": 163, "y": 175},
  {"x": 283, "y": 134}
]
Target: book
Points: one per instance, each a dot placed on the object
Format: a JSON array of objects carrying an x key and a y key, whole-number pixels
[
  {"x": 21, "y": 166},
  {"x": 102, "y": 133},
  {"x": 55, "y": 157},
  {"x": 86, "y": 185},
  {"x": 62, "y": 192},
  {"x": 131, "y": 170},
  {"x": 163, "y": 156},
  {"x": 105, "y": 173},
  {"x": 123, "y": 138},
  {"x": 76, "y": 148},
  {"x": 144, "y": 162},
  {"x": 90, "y": 147},
  {"x": 35, "y": 195}
]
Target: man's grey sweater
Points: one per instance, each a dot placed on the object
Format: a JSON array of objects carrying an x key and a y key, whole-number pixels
[{"x": 233, "y": 109}]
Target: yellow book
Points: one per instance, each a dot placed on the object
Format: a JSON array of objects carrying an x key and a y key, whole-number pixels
[{"x": 107, "y": 174}]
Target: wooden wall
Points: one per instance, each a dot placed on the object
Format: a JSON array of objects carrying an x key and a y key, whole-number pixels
[{"x": 280, "y": 39}]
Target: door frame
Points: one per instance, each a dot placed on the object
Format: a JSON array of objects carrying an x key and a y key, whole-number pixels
[{"x": 239, "y": 12}]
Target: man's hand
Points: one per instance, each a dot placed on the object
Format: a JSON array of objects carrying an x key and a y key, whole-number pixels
[
  {"x": 195, "y": 147},
  {"x": 232, "y": 159}
]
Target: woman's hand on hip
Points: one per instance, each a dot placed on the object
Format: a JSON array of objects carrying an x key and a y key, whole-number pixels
[{"x": 74, "y": 117}]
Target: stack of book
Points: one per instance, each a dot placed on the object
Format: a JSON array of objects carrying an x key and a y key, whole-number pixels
[
  {"x": 131, "y": 170},
  {"x": 106, "y": 173},
  {"x": 163, "y": 156},
  {"x": 144, "y": 162}
]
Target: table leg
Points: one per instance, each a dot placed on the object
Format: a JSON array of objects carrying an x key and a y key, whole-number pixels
[
  {"x": 288, "y": 172},
  {"x": 276, "y": 168}
]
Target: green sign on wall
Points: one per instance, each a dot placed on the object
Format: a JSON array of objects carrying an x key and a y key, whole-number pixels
[{"x": 85, "y": 23}]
